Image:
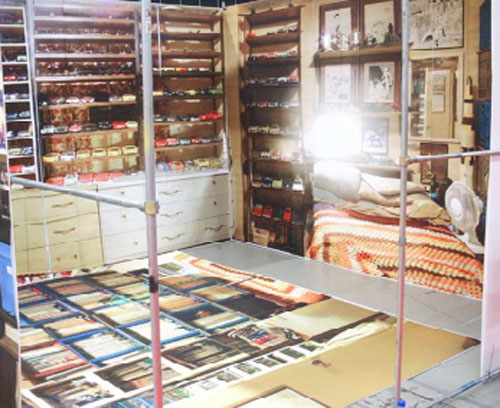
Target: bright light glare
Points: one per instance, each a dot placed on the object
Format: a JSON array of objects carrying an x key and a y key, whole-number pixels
[{"x": 335, "y": 135}]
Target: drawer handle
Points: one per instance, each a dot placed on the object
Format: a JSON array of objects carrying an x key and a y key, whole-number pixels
[
  {"x": 63, "y": 205},
  {"x": 215, "y": 229},
  {"x": 169, "y": 193},
  {"x": 174, "y": 237},
  {"x": 124, "y": 216},
  {"x": 65, "y": 232},
  {"x": 172, "y": 215}
]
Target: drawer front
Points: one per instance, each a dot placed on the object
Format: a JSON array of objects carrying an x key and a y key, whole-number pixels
[
  {"x": 57, "y": 207},
  {"x": 193, "y": 210},
  {"x": 122, "y": 220},
  {"x": 63, "y": 257},
  {"x": 124, "y": 246},
  {"x": 18, "y": 211},
  {"x": 90, "y": 253},
  {"x": 72, "y": 229},
  {"x": 215, "y": 229},
  {"x": 175, "y": 191},
  {"x": 22, "y": 263},
  {"x": 20, "y": 237},
  {"x": 131, "y": 193}
]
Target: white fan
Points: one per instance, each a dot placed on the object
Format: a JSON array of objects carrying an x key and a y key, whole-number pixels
[{"x": 465, "y": 208}]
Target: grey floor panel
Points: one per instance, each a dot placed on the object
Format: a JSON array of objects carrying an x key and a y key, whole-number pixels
[{"x": 433, "y": 308}]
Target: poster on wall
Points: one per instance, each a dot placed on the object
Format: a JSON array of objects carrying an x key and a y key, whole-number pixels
[
  {"x": 375, "y": 136},
  {"x": 337, "y": 84},
  {"x": 377, "y": 17},
  {"x": 338, "y": 19},
  {"x": 378, "y": 82},
  {"x": 436, "y": 24}
]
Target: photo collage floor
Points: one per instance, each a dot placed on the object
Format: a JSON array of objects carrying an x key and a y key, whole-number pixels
[{"x": 229, "y": 338}]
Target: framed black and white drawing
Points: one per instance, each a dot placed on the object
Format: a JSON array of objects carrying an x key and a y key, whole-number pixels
[
  {"x": 380, "y": 82},
  {"x": 378, "y": 18},
  {"x": 436, "y": 24},
  {"x": 375, "y": 136},
  {"x": 338, "y": 83},
  {"x": 339, "y": 19}
]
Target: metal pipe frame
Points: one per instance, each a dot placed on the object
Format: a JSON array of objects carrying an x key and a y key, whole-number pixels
[
  {"x": 79, "y": 193},
  {"x": 151, "y": 205},
  {"x": 461, "y": 155},
  {"x": 405, "y": 10}
]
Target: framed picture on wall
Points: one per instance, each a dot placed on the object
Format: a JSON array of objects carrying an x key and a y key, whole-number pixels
[
  {"x": 436, "y": 24},
  {"x": 380, "y": 79},
  {"x": 338, "y": 83},
  {"x": 379, "y": 17},
  {"x": 338, "y": 19},
  {"x": 375, "y": 136}
]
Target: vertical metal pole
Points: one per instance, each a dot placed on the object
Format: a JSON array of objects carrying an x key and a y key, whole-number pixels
[
  {"x": 404, "y": 178},
  {"x": 151, "y": 205}
]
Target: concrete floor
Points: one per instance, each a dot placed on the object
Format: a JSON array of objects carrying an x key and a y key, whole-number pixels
[{"x": 426, "y": 306}]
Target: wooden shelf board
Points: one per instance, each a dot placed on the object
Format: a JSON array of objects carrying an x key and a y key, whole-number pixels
[
  {"x": 16, "y": 83},
  {"x": 199, "y": 122},
  {"x": 91, "y": 158},
  {"x": 187, "y": 74},
  {"x": 14, "y": 63},
  {"x": 260, "y": 135},
  {"x": 77, "y": 56},
  {"x": 189, "y": 147},
  {"x": 12, "y": 45},
  {"x": 271, "y": 39},
  {"x": 190, "y": 17},
  {"x": 280, "y": 162},
  {"x": 278, "y": 190},
  {"x": 85, "y": 105},
  {"x": 86, "y": 134},
  {"x": 191, "y": 54},
  {"x": 326, "y": 55},
  {"x": 23, "y": 120},
  {"x": 184, "y": 98},
  {"x": 274, "y": 61},
  {"x": 84, "y": 37},
  {"x": 273, "y": 16},
  {"x": 28, "y": 156},
  {"x": 88, "y": 78},
  {"x": 276, "y": 108},
  {"x": 54, "y": 20},
  {"x": 12, "y": 27},
  {"x": 274, "y": 86},
  {"x": 171, "y": 35},
  {"x": 271, "y": 221},
  {"x": 18, "y": 101}
]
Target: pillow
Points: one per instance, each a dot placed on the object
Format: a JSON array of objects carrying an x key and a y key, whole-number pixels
[
  {"x": 388, "y": 186},
  {"x": 338, "y": 178}
]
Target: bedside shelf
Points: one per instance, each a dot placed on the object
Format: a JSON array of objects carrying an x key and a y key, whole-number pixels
[{"x": 272, "y": 39}]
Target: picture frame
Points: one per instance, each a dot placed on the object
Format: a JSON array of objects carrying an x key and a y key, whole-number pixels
[
  {"x": 375, "y": 136},
  {"x": 376, "y": 16},
  {"x": 340, "y": 18},
  {"x": 339, "y": 83},
  {"x": 380, "y": 80},
  {"x": 436, "y": 25}
]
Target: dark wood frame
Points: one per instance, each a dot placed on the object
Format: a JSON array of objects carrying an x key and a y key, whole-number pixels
[
  {"x": 352, "y": 4},
  {"x": 397, "y": 76},
  {"x": 354, "y": 63},
  {"x": 397, "y": 14}
]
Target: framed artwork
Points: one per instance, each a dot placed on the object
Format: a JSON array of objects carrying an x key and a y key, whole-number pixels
[
  {"x": 378, "y": 17},
  {"x": 375, "y": 136},
  {"x": 338, "y": 83},
  {"x": 338, "y": 18},
  {"x": 436, "y": 24},
  {"x": 379, "y": 82}
]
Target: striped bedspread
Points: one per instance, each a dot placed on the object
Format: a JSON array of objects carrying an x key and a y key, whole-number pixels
[{"x": 436, "y": 258}]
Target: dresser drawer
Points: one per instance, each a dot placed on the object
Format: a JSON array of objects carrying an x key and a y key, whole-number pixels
[
  {"x": 124, "y": 246},
  {"x": 63, "y": 257},
  {"x": 18, "y": 211},
  {"x": 21, "y": 262},
  {"x": 121, "y": 221},
  {"x": 57, "y": 206},
  {"x": 90, "y": 253},
  {"x": 71, "y": 229},
  {"x": 135, "y": 193},
  {"x": 175, "y": 191},
  {"x": 215, "y": 229},
  {"x": 20, "y": 237},
  {"x": 193, "y": 210}
]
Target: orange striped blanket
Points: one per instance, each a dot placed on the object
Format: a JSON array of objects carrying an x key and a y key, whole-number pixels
[{"x": 436, "y": 258}]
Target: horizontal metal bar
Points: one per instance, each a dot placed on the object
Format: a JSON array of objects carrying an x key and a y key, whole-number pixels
[
  {"x": 121, "y": 202},
  {"x": 417, "y": 159}
]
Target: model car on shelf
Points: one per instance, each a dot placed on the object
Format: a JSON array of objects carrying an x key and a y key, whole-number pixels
[{"x": 267, "y": 212}]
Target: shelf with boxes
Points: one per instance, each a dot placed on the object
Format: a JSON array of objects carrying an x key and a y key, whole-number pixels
[
  {"x": 188, "y": 89},
  {"x": 86, "y": 75},
  {"x": 276, "y": 196},
  {"x": 20, "y": 142}
]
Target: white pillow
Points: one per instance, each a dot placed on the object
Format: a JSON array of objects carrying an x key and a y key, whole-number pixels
[{"x": 338, "y": 178}]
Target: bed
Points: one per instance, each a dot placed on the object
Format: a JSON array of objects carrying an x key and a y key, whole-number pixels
[{"x": 355, "y": 226}]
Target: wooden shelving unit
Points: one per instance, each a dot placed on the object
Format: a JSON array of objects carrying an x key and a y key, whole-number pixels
[
  {"x": 86, "y": 51},
  {"x": 185, "y": 40},
  {"x": 274, "y": 54},
  {"x": 364, "y": 52},
  {"x": 18, "y": 96}
]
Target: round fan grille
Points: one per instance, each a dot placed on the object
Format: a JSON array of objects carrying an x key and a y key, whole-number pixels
[{"x": 462, "y": 205}]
